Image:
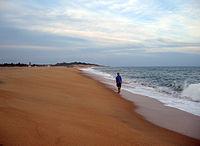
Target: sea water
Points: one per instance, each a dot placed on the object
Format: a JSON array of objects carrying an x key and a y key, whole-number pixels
[{"x": 178, "y": 87}]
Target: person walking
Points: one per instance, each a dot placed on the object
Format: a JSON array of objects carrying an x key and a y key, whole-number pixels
[{"x": 118, "y": 82}]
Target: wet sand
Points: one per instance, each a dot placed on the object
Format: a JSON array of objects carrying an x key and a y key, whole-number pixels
[
  {"x": 165, "y": 116},
  {"x": 61, "y": 106}
]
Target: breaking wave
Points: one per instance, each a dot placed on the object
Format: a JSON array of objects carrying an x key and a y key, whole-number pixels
[{"x": 192, "y": 91}]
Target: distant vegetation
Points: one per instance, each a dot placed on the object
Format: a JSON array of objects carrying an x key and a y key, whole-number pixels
[
  {"x": 71, "y": 64},
  {"x": 19, "y": 65},
  {"x": 12, "y": 65}
]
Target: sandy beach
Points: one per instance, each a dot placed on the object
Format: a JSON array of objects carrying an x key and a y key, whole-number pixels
[
  {"x": 61, "y": 106},
  {"x": 156, "y": 112}
]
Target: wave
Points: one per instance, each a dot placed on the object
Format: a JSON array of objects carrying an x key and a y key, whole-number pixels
[
  {"x": 189, "y": 92},
  {"x": 192, "y": 91},
  {"x": 93, "y": 71}
]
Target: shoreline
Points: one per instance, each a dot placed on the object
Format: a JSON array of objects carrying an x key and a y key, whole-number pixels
[
  {"x": 61, "y": 106},
  {"x": 157, "y": 113},
  {"x": 164, "y": 116}
]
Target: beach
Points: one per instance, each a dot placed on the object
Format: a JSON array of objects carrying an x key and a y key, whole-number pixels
[
  {"x": 153, "y": 110},
  {"x": 62, "y": 106}
]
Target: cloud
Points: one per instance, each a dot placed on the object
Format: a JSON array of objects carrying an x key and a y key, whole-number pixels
[
  {"x": 111, "y": 24},
  {"x": 33, "y": 47},
  {"x": 185, "y": 49}
]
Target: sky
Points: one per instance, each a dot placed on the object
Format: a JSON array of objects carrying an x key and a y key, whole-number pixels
[{"x": 106, "y": 32}]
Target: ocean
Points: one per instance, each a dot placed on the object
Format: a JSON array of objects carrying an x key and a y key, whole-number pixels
[{"x": 177, "y": 87}]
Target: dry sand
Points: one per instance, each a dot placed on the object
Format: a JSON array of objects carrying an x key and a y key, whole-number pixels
[{"x": 60, "y": 106}]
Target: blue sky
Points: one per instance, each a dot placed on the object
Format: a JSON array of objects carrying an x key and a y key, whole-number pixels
[{"x": 109, "y": 32}]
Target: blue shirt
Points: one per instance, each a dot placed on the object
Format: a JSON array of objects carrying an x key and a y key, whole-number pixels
[{"x": 119, "y": 79}]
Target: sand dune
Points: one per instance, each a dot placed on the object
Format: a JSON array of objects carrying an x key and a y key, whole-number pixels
[{"x": 61, "y": 106}]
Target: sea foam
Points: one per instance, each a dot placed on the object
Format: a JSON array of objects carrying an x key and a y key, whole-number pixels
[{"x": 192, "y": 91}]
